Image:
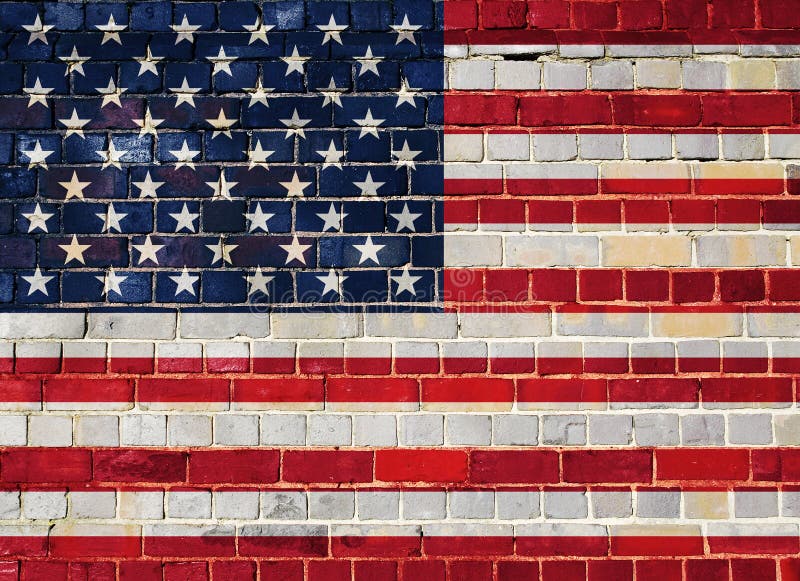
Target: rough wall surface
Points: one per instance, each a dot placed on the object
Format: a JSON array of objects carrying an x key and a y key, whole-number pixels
[{"x": 399, "y": 290}]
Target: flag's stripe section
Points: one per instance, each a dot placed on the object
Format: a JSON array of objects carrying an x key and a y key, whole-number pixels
[
  {"x": 698, "y": 383},
  {"x": 453, "y": 466},
  {"x": 636, "y": 214}
]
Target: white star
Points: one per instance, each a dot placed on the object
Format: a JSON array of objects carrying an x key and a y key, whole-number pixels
[
  {"x": 221, "y": 251},
  {"x": 185, "y": 219},
  {"x": 258, "y": 94},
  {"x": 258, "y": 156},
  {"x": 332, "y": 95},
  {"x": 369, "y": 251},
  {"x": 295, "y": 251},
  {"x": 185, "y": 282},
  {"x": 258, "y": 31},
  {"x": 221, "y": 124},
  {"x": 294, "y": 62},
  {"x": 368, "y": 187},
  {"x": 405, "y": 31},
  {"x": 295, "y": 125},
  {"x": 332, "y": 219},
  {"x": 111, "y": 93},
  {"x": 74, "y": 250},
  {"x": 332, "y": 283},
  {"x": 405, "y": 156},
  {"x": 332, "y": 156},
  {"x": 222, "y": 62},
  {"x": 111, "y": 219},
  {"x": 37, "y": 156},
  {"x": 258, "y": 219},
  {"x": 295, "y": 188},
  {"x": 405, "y": 282},
  {"x": 110, "y": 30},
  {"x": 37, "y": 220},
  {"x": 258, "y": 282},
  {"x": 148, "y": 124},
  {"x": 148, "y": 63},
  {"x": 184, "y": 156},
  {"x": 38, "y": 93},
  {"x": 148, "y": 188},
  {"x": 185, "y": 93},
  {"x": 74, "y": 124},
  {"x": 369, "y": 125},
  {"x": 404, "y": 95},
  {"x": 406, "y": 219},
  {"x": 38, "y": 30},
  {"x": 185, "y": 30},
  {"x": 111, "y": 282},
  {"x": 112, "y": 155},
  {"x": 148, "y": 251},
  {"x": 75, "y": 61},
  {"x": 74, "y": 187},
  {"x": 221, "y": 187},
  {"x": 369, "y": 63},
  {"x": 38, "y": 282},
  {"x": 332, "y": 31}
]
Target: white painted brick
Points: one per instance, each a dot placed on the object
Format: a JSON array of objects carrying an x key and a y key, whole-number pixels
[
  {"x": 704, "y": 75},
  {"x": 44, "y": 504},
  {"x": 92, "y": 430},
  {"x": 189, "y": 504},
  {"x": 463, "y": 147},
  {"x": 515, "y": 430},
  {"x": 373, "y": 349},
  {"x": 473, "y": 74},
  {"x": 228, "y": 350},
  {"x": 697, "y": 146},
  {"x": 108, "y": 325},
  {"x": 505, "y": 324},
  {"x": 411, "y": 325},
  {"x": 236, "y": 430},
  {"x": 9, "y": 504},
  {"x": 564, "y": 76},
  {"x": 750, "y": 429},
  {"x": 38, "y": 350},
  {"x": 283, "y": 429},
  {"x": 472, "y": 504},
  {"x": 205, "y": 325},
  {"x": 649, "y": 146},
  {"x": 656, "y": 429},
  {"x": 274, "y": 350},
  {"x": 189, "y": 430},
  {"x": 700, "y": 348},
  {"x": 601, "y": 146},
  {"x": 565, "y": 504},
  {"x": 462, "y": 349},
  {"x": 293, "y": 325},
  {"x": 143, "y": 430},
  {"x": 508, "y": 146},
  {"x": 703, "y": 430},
  {"x": 560, "y": 349},
  {"x": 374, "y": 430},
  {"x": 743, "y": 146},
  {"x": 320, "y": 350},
  {"x": 468, "y": 429},
  {"x": 284, "y": 505},
  {"x": 513, "y": 505},
  {"x": 124, "y": 350},
  {"x": 83, "y": 349},
  {"x": 564, "y": 430},
  {"x": 611, "y": 504},
  {"x": 745, "y": 250},
  {"x": 42, "y": 325},
  {"x": 50, "y": 430},
  {"x": 378, "y": 504},
  {"x": 95, "y": 504},
  {"x": 612, "y": 75},
  {"x": 784, "y": 145},
  {"x": 329, "y": 430},
  {"x": 658, "y": 74},
  {"x": 339, "y": 504},
  {"x": 471, "y": 250},
  {"x": 13, "y": 430},
  {"x": 137, "y": 504},
  {"x": 611, "y": 430},
  {"x": 423, "y": 505},
  {"x": 422, "y": 430},
  {"x": 555, "y": 147},
  {"x": 239, "y": 504},
  {"x": 180, "y": 350},
  {"x": 545, "y": 251},
  {"x": 511, "y": 350},
  {"x": 788, "y": 74},
  {"x": 518, "y": 75},
  {"x": 592, "y": 350}
]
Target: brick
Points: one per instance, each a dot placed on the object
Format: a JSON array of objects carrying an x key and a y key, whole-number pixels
[
  {"x": 480, "y": 110},
  {"x": 327, "y": 466},
  {"x": 420, "y": 465},
  {"x": 507, "y": 466},
  {"x": 517, "y": 75},
  {"x": 657, "y": 110},
  {"x": 615, "y": 465},
  {"x": 471, "y": 75},
  {"x": 36, "y": 465},
  {"x": 139, "y": 466},
  {"x": 233, "y": 466},
  {"x": 544, "y": 111}
]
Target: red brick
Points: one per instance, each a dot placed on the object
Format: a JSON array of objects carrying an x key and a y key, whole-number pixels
[
  {"x": 9, "y": 570},
  {"x": 321, "y": 365},
  {"x": 100, "y": 571},
  {"x": 549, "y": 110},
  {"x": 121, "y": 465},
  {"x": 374, "y": 571},
  {"x": 646, "y": 212},
  {"x": 493, "y": 211},
  {"x": 88, "y": 390},
  {"x": 480, "y": 110},
  {"x": 702, "y": 464},
  {"x": 745, "y": 389},
  {"x": 329, "y": 570},
  {"x": 562, "y": 390},
  {"x": 727, "y": 14},
  {"x": 784, "y": 285},
  {"x": 471, "y": 570},
  {"x": 180, "y": 364},
  {"x": 609, "y": 466},
  {"x": 563, "y": 570},
  {"x": 549, "y": 212},
  {"x": 682, "y": 14},
  {"x": 189, "y": 389},
  {"x": 83, "y": 364},
  {"x": 663, "y": 570},
  {"x": 516, "y": 570},
  {"x": 355, "y": 389},
  {"x": 745, "y": 110},
  {"x": 503, "y": 13},
  {"x": 368, "y": 365},
  {"x": 693, "y": 211},
  {"x": 281, "y": 570},
  {"x": 40, "y": 465},
  {"x": 707, "y": 569},
  {"x": 556, "y": 285},
  {"x": 610, "y": 571},
  {"x": 234, "y": 466},
  {"x": 601, "y": 285},
  {"x": 189, "y": 571},
  {"x": 732, "y": 211},
  {"x": 790, "y": 569},
  {"x": 239, "y": 570},
  {"x": 43, "y": 571},
  {"x": 782, "y": 211},
  {"x": 753, "y": 570},
  {"x": 598, "y": 212},
  {"x": 467, "y": 389},
  {"x": 327, "y": 466},
  {"x": 741, "y": 285},
  {"x": 425, "y": 570},
  {"x": 640, "y": 15},
  {"x": 779, "y": 14},
  {"x": 692, "y": 287},
  {"x": 654, "y": 389},
  {"x": 653, "y": 365},
  {"x": 460, "y": 15},
  {"x": 140, "y": 571},
  {"x": 594, "y": 15},
  {"x": 514, "y": 466},
  {"x": 278, "y": 390},
  {"x": 647, "y": 285},
  {"x": 20, "y": 390},
  {"x": 548, "y": 14},
  {"x": 463, "y": 285},
  {"x": 675, "y": 110},
  {"x": 410, "y": 465},
  {"x": 506, "y": 285}
]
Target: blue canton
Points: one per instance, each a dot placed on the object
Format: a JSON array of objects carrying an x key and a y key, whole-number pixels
[{"x": 163, "y": 153}]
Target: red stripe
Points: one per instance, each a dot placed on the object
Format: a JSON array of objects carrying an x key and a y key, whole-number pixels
[{"x": 454, "y": 466}]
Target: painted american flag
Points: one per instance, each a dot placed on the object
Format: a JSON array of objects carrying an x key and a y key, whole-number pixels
[{"x": 399, "y": 289}]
